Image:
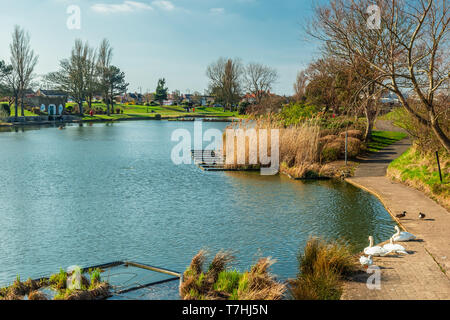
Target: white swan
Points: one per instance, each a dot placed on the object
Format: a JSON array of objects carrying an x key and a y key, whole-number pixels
[
  {"x": 394, "y": 248},
  {"x": 402, "y": 236},
  {"x": 366, "y": 261},
  {"x": 376, "y": 251}
]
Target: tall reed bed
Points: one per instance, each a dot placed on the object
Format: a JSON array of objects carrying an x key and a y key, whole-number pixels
[{"x": 298, "y": 146}]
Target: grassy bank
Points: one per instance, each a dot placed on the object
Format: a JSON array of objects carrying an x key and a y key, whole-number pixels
[
  {"x": 138, "y": 111},
  {"x": 420, "y": 171}
]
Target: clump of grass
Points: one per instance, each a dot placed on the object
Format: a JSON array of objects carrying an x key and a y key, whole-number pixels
[
  {"x": 95, "y": 276},
  {"x": 322, "y": 265},
  {"x": 58, "y": 281},
  {"x": 221, "y": 283}
]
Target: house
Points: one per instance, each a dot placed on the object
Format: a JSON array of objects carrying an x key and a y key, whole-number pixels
[
  {"x": 45, "y": 98},
  {"x": 130, "y": 97},
  {"x": 207, "y": 100}
]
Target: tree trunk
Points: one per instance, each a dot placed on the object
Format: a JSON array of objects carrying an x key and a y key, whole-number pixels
[
  {"x": 21, "y": 107},
  {"x": 108, "y": 110},
  {"x": 371, "y": 112},
  {"x": 16, "y": 106},
  {"x": 80, "y": 106},
  {"x": 442, "y": 137}
]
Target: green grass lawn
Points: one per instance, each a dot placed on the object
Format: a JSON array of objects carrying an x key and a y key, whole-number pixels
[
  {"x": 383, "y": 139},
  {"x": 27, "y": 113},
  {"x": 421, "y": 172},
  {"x": 133, "y": 111}
]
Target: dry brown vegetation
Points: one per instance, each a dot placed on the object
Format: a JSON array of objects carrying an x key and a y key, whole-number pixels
[{"x": 305, "y": 148}]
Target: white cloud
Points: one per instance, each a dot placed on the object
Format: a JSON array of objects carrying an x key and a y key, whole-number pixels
[
  {"x": 126, "y": 6},
  {"x": 164, "y": 5},
  {"x": 217, "y": 10}
]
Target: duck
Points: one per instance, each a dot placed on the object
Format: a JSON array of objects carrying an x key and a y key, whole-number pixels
[
  {"x": 376, "y": 251},
  {"x": 401, "y": 215},
  {"x": 366, "y": 261},
  {"x": 402, "y": 236},
  {"x": 394, "y": 248},
  {"x": 422, "y": 216}
]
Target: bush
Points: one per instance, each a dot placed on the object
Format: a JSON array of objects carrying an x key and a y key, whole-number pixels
[
  {"x": 36, "y": 110},
  {"x": 332, "y": 151},
  {"x": 243, "y": 106},
  {"x": 321, "y": 267},
  {"x": 5, "y": 110},
  {"x": 118, "y": 110},
  {"x": 219, "y": 283},
  {"x": 158, "y": 117}
]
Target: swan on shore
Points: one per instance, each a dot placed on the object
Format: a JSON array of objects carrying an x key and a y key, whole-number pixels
[
  {"x": 402, "y": 236},
  {"x": 394, "y": 248},
  {"x": 366, "y": 261},
  {"x": 376, "y": 251}
]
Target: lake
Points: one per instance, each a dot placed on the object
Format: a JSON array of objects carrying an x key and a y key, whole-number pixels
[{"x": 106, "y": 192}]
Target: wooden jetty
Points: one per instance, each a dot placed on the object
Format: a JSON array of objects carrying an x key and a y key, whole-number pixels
[{"x": 215, "y": 160}]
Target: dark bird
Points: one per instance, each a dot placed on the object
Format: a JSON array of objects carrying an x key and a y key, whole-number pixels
[
  {"x": 401, "y": 215},
  {"x": 422, "y": 216}
]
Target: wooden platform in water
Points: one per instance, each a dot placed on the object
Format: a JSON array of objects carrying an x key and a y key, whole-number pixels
[{"x": 210, "y": 160}]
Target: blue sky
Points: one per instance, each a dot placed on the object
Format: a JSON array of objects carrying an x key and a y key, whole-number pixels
[{"x": 174, "y": 39}]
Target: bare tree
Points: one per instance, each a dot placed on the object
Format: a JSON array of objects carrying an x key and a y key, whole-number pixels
[
  {"x": 23, "y": 62},
  {"x": 300, "y": 85},
  {"x": 408, "y": 54},
  {"x": 259, "y": 79},
  {"x": 105, "y": 53},
  {"x": 91, "y": 75},
  {"x": 73, "y": 76},
  {"x": 225, "y": 77}
]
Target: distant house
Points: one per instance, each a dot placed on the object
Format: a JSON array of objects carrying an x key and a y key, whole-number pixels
[
  {"x": 46, "y": 98},
  {"x": 207, "y": 100},
  {"x": 136, "y": 97},
  {"x": 51, "y": 94}
]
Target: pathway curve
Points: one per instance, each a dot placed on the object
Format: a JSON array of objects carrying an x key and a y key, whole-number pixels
[{"x": 424, "y": 274}]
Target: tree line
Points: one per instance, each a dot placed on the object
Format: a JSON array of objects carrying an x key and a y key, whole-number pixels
[
  {"x": 86, "y": 73},
  {"x": 229, "y": 78}
]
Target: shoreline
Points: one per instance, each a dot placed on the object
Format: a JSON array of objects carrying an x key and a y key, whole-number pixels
[
  {"x": 175, "y": 118},
  {"x": 404, "y": 277}
]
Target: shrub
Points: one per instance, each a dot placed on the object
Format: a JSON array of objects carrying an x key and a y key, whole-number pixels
[
  {"x": 353, "y": 133},
  {"x": 353, "y": 146},
  {"x": 158, "y": 117},
  {"x": 321, "y": 267},
  {"x": 59, "y": 280},
  {"x": 5, "y": 111},
  {"x": 332, "y": 151},
  {"x": 118, "y": 110},
  {"x": 218, "y": 283}
]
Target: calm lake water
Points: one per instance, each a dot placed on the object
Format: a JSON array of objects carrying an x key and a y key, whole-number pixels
[{"x": 106, "y": 192}]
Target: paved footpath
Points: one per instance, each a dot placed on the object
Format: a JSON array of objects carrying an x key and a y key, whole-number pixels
[{"x": 424, "y": 273}]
